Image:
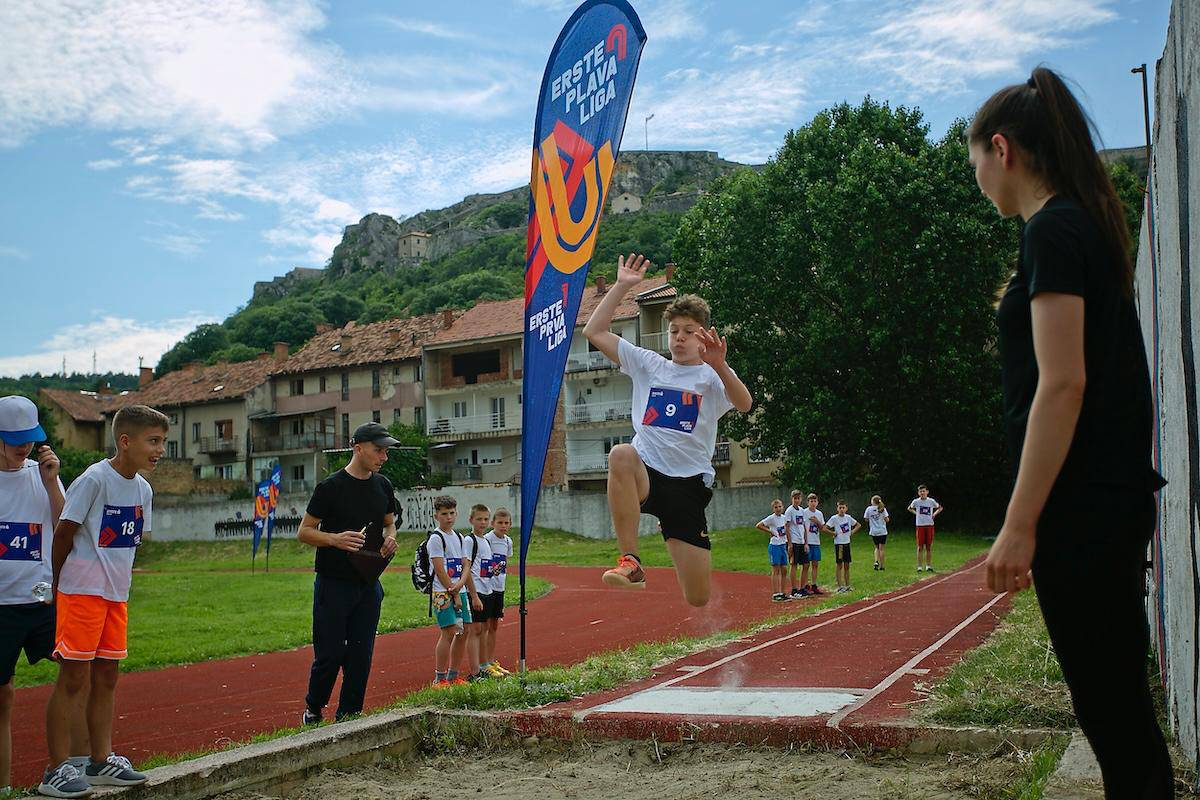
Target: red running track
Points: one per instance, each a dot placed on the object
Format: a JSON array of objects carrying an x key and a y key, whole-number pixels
[
  {"x": 200, "y": 706},
  {"x": 876, "y": 653}
]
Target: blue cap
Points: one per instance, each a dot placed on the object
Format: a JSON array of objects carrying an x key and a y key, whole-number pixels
[{"x": 19, "y": 421}]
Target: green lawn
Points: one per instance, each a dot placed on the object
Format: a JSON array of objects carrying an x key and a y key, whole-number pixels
[{"x": 197, "y": 600}]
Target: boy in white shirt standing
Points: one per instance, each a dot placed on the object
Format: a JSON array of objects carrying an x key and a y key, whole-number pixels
[
  {"x": 31, "y": 500},
  {"x": 502, "y": 548},
  {"x": 106, "y": 514},
  {"x": 777, "y": 548},
  {"x": 667, "y": 471},
  {"x": 814, "y": 523},
  {"x": 796, "y": 541},
  {"x": 877, "y": 518},
  {"x": 481, "y": 582},
  {"x": 445, "y": 548},
  {"x": 842, "y": 526},
  {"x": 926, "y": 510}
]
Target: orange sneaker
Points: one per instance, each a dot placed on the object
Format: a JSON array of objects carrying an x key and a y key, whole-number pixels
[
  {"x": 442, "y": 684},
  {"x": 459, "y": 682},
  {"x": 627, "y": 574}
]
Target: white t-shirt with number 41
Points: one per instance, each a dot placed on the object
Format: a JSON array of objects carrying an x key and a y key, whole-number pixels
[{"x": 675, "y": 412}]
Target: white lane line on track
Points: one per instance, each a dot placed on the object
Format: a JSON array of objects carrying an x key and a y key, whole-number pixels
[{"x": 883, "y": 685}]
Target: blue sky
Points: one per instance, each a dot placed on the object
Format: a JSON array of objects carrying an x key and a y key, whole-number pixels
[{"x": 160, "y": 156}]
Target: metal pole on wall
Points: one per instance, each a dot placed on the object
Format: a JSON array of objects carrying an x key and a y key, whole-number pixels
[{"x": 1156, "y": 557}]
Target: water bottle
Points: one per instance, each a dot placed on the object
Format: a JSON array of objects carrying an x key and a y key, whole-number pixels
[{"x": 41, "y": 592}]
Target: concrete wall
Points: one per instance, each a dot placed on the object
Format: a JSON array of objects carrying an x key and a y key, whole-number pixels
[
  {"x": 583, "y": 513},
  {"x": 1168, "y": 290}
]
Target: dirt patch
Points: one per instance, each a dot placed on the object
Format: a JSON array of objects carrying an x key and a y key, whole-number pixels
[{"x": 646, "y": 771}]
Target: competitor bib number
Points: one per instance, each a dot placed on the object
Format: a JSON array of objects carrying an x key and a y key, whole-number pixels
[
  {"x": 121, "y": 526},
  {"x": 20, "y": 541},
  {"x": 454, "y": 568},
  {"x": 499, "y": 566},
  {"x": 672, "y": 409}
]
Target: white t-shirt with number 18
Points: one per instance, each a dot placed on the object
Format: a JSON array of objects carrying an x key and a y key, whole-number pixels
[
  {"x": 675, "y": 412},
  {"x": 113, "y": 513},
  {"x": 795, "y": 518}
]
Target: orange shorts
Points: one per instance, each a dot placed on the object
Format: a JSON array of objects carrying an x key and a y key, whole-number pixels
[
  {"x": 924, "y": 536},
  {"x": 89, "y": 627}
]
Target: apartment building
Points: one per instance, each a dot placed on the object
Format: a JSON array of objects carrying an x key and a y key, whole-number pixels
[
  {"x": 79, "y": 415},
  {"x": 475, "y": 389},
  {"x": 340, "y": 379}
]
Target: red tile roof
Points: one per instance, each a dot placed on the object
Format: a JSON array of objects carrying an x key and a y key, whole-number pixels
[
  {"x": 375, "y": 343},
  {"x": 507, "y": 317},
  {"x": 204, "y": 383},
  {"x": 86, "y": 406}
]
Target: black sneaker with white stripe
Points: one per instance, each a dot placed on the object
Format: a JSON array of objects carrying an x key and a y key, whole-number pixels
[
  {"x": 64, "y": 781},
  {"x": 113, "y": 771}
]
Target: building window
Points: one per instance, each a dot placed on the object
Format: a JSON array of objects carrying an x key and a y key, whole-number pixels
[
  {"x": 322, "y": 384},
  {"x": 417, "y": 373},
  {"x": 196, "y": 473},
  {"x": 460, "y": 408},
  {"x": 498, "y": 419},
  {"x": 195, "y": 431},
  {"x": 757, "y": 455},
  {"x": 375, "y": 384},
  {"x": 298, "y": 472},
  {"x": 419, "y": 416},
  {"x": 469, "y": 366},
  {"x": 345, "y": 430},
  {"x": 345, "y": 385},
  {"x": 375, "y": 415},
  {"x": 297, "y": 426},
  {"x": 172, "y": 449},
  {"x": 174, "y": 419},
  {"x": 297, "y": 386},
  {"x": 223, "y": 429},
  {"x": 395, "y": 415}
]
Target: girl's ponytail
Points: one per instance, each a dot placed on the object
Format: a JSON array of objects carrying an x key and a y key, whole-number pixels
[{"x": 1043, "y": 118}]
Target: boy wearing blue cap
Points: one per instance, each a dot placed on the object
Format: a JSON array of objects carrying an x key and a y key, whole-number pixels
[{"x": 31, "y": 499}]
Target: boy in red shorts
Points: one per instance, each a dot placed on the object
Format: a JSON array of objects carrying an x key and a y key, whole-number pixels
[
  {"x": 107, "y": 512},
  {"x": 926, "y": 509}
]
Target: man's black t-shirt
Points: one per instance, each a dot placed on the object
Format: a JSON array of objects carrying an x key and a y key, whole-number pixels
[
  {"x": 1063, "y": 251},
  {"x": 345, "y": 503}
]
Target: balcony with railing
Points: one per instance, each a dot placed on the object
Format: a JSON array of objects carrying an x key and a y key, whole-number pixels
[
  {"x": 721, "y": 454},
  {"x": 587, "y": 462},
  {"x": 584, "y": 362},
  {"x": 311, "y": 440},
  {"x": 495, "y": 423},
  {"x": 615, "y": 411},
  {"x": 218, "y": 445},
  {"x": 297, "y": 486},
  {"x": 659, "y": 342}
]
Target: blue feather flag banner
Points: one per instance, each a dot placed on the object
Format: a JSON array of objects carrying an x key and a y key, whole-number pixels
[{"x": 576, "y": 139}]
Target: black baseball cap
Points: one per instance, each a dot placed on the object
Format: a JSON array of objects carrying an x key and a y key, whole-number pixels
[{"x": 374, "y": 433}]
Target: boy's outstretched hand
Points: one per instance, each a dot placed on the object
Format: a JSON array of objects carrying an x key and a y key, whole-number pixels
[
  {"x": 712, "y": 347},
  {"x": 631, "y": 270}
]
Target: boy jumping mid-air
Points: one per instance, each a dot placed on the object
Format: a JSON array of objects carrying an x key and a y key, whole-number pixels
[{"x": 666, "y": 471}]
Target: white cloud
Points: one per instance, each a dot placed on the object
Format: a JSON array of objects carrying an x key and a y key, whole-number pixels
[
  {"x": 118, "y": 343},
  {"x": 186, "y": 244},
  {"x": 937, "y": 46},
  {"x": 16, "y": 253},
  {"x": 228, "y": 74},
  {"x": 671, "y": 20},
  {"x": 101, "y": 164},
  {"x": 426, "y": 28}
]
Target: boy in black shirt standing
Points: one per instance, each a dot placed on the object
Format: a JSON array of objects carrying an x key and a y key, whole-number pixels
[{"x": 352, "y": 510}]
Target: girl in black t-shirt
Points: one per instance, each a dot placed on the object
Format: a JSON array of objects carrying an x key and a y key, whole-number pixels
[{"x": 1078, "y": 419}]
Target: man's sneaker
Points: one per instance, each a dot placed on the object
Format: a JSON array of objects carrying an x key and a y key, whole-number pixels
[
  {"x": 459, "y": 682},
  {"x": 627, "y": 574},
  {"x": 64, "y": 781},
  {"x": 311, "y": 717},
  {"x": 777, "y": 597},
  {"x": 500, "y": 667},
  {"x": 816, "y": 589},
  {"x": 796, "y": 593},
  {"x": 440, "y": 684},
  {"x": 113, "y": 771},
  {"x": 478, "y": 676},
  {"x": 803, "y": 592},
  {"x": 876, "y": 565},
  {"x": 494, "y": 671}
]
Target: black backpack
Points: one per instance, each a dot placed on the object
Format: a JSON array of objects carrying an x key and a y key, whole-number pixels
[{"x": 422, "y": 566}]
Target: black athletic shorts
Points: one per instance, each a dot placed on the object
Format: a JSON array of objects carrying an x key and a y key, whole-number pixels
[
  {"x": 496, "y": 611},
  {"x": 679, "y": 504},
  {"x": 799, "y": 553},
  {"x": 482, "y": 615},
  {"x": 28, "y": 627},
  {"x": 881, "y": 539},
  {"x": 841, "y": 553}
]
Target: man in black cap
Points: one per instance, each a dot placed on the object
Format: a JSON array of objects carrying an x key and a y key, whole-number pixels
[{"x": 350, "y": 518}]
